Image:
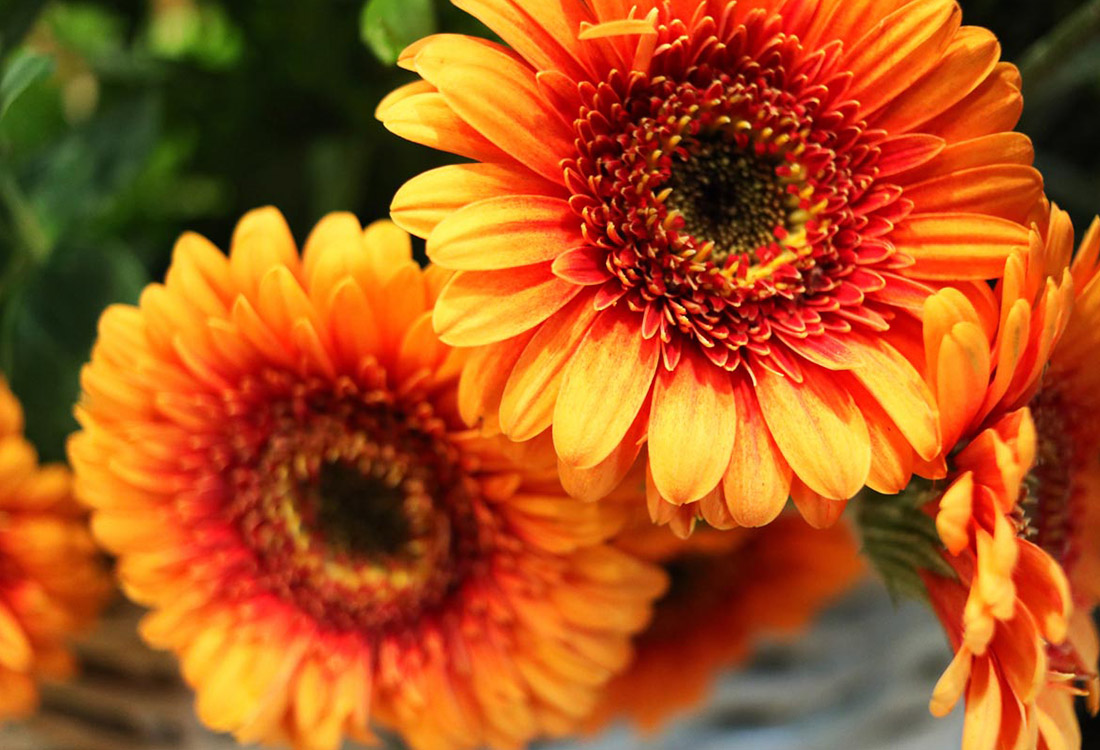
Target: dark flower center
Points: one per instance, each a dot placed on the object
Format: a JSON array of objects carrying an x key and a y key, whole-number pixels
[
  {"x": 731, "y": 198},
  {"x": 1048, "y": 499},
  {"x": 355, "y": 505},
  {"x": 358, "y": 515}
]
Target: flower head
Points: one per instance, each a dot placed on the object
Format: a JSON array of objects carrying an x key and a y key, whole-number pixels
[
  {"x": 1011, "y": 517},
  {"x": 272, "y": 448},
  {"x": 728, "y": 591},
  {"x": 710, "y": 226},
  {"x": 52, "y": 582}
]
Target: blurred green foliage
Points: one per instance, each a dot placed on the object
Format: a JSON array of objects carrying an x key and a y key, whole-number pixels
[{"x": 125, "y": 122}]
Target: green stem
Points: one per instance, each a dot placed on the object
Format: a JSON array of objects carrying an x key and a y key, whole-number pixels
[{"x": 1046, "y": 55}]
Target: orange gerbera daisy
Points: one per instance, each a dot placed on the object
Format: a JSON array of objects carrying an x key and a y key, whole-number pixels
[
  {"x": 1007, "y": 516},
  {"x": 52, "y": 582},
  {"x": 728, "y": 590},
  {"x": 711, "y": 225},
  {"x": 272, "y": 448},
  {"x": 1007, "y": 612}
]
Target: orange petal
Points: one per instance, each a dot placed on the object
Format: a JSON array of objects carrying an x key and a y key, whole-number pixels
[
  {"x": 956, "y": 513},
  {"x": 604, "y": 387},
  {"x": 514, "y": 230},
  {"x": 427, "y": 199},
  {"x": 951, "y": 684},
  {"x": 1012, "y": 342},
  {"x": 497, "y": 95},
  {"x": 200, "y": 274},
  {"x": 1021, "y": 655},
  {"x": 15, "y": 649},
  {"x": 942, "y": 312},
  {"x": 332, "y": 253},
  {"x": 355, "y": 333},
  {"x": 483, "y": 378},
  {"x": 1010, "y": 191},
  {"x": 1085, "y": 262},
  {"x": 962, "y": 375},
  {"x": 983, "y": 151},
  {"x": 820, "y": 512},
  {"x": 387, "y": 251},
  {"x": 539, "y": 32},
  {"x": 819, "y": 429},
  {"x": 1042, "y": 585},
  {"x": 892, "y": 459},
  {"x": 981, "y": 726},
  {"x": 961, "y": 67},
  {"x": 890, "y": 57},
  {"x": 899, "y": 389},
  {"x": 904, "y": 152},
  {"x": 420, "y": 349},
  {"x": 993, "y": 107},
  {"x": 527, "y": 405},
  {"x": 480, "y": 307},
  {"x": 598, "y": 481},
  {"x": 692, "y": 428},
  {"x": 757, "y": 481},
  {"x": 403, "y": 298},
  {"x": 839, "y": 19},
  {"x": 958, "y": 246},
  {"x": 427, "y": 119},
  {"x": 261, "y": 241}
]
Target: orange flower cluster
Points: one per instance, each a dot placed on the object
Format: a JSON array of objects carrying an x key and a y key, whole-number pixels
[
  {"x": 52, "y": 582},
  {"x": 708, "y": 256}
]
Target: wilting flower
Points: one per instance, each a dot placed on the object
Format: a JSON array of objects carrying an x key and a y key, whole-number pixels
[
  {"x": 52, "y": 582},
  {"x": 272, "y": 449},
  {"x": 729, "y": 590},
  {"x": 1012, "y": 514},
  {"x": 711, "y": 226}
]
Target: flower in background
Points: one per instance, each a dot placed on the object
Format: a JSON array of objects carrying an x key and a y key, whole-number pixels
[
  {"x": 272, "y": 448},
  {"x": 729, "y": 590},
  {"x": 52, "y": 581},
  {"x": 1013, "y": 514},
  {"x": 711, "y": 227}
]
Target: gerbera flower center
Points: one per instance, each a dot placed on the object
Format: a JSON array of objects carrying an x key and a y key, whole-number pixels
[
  {"x": 357, "y": 507},
  {"x": 729, "y": 198},
  {"x": 357, "y": 514},
  {"x": 1047, "y": 500},
  {"x": 732, "y": 204}
]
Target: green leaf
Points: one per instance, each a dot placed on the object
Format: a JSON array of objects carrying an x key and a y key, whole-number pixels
[
  {"x": 79, "y": 177},
  {"x": 48, "y": 328},
  {"x": 24, "y": 70},
  {"x": 389, "y": 26},
  {"x": 900, "y": 538}
]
